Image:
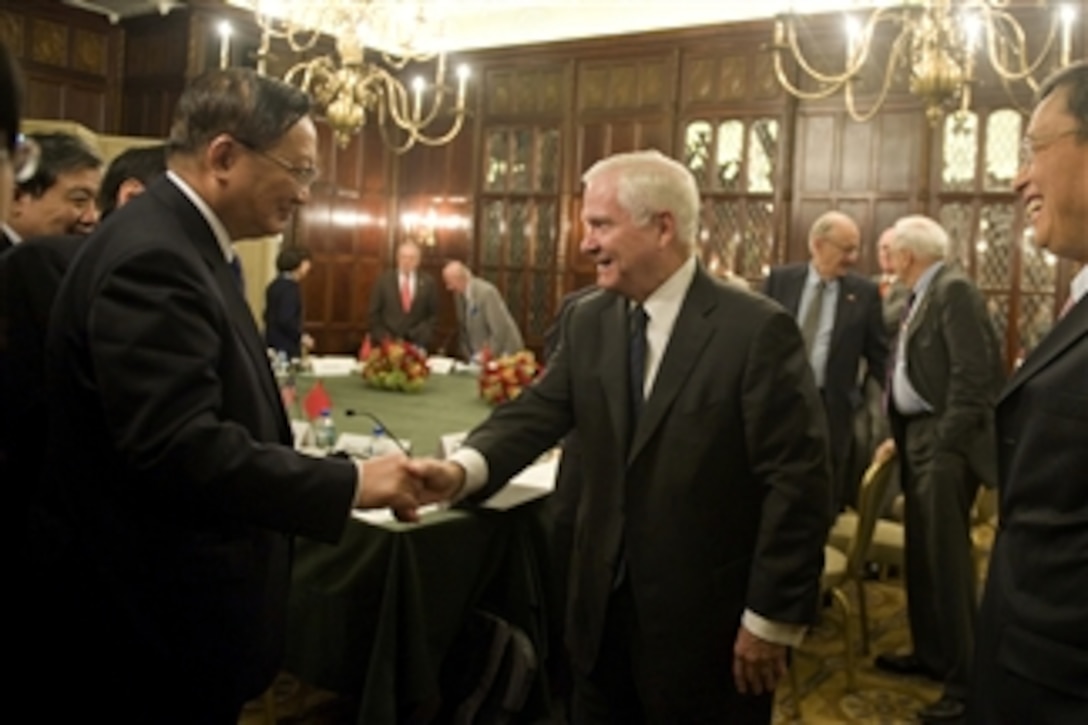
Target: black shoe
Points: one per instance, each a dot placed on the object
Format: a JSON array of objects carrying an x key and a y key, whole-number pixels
[
  {"x": 903, "y": 665},
  {"x": 947, "y": 709}
]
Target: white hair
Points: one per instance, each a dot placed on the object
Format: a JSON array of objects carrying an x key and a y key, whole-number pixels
[
  {"x": 648, "y": 183},
  {"x": 921, "y": 235}
]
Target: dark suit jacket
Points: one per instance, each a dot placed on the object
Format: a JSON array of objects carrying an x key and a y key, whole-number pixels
[
  {"x": 30, "y": 275},
  {"x": 721, "y": 501},
  {"x": 857, "y": 334},
  {"x": 1034, "y": 619},
  {"x": 170, "y": 449},
  {"x": 954, "y": 363},
  {"x": 388, "y": 319},
  {"x": 283, "y": 316}
]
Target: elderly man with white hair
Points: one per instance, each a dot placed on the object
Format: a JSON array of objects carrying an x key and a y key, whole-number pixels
[{"x": 944, "y": 381}]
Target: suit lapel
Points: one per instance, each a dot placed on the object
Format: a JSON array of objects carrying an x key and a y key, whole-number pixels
[
  {"x": 1064, "y": 334},
  {"x": 197, "y": 230},
  {"x": 689, "y": 336},
  {"x": 794, "y": 290},
  {"x": 614, "y": 364},
  {"x": 844, "y": 307},
  {"x": 917, "y": 317}
]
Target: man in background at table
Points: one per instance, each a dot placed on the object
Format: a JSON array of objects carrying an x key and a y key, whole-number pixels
[
  {"x": 704, "y": 481},
  {"x": 945, "y": 378},
  {"x": 839, "y": 313},
  {"x": 1031, "y": 661},
  {"x": 483, "y": 319},
  {"x": 404, "y": 303},
  {"x": 169, "y": 447}
]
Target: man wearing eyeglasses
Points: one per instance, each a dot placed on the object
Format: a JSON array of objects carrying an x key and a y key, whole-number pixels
[
  {"x": 55, "y": 189},
  {"x": 841, "y": 319},
  {"x": 169, "y": 448},
  {"x": 1031, "y": 661}
]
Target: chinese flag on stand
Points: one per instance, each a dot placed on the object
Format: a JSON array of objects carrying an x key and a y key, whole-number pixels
[
  {"x": 364, "y": 349},
  {"x": 316, "y": 400}
]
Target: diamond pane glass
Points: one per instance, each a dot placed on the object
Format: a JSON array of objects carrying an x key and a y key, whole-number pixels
[
  {"x": 496, "y": 166},
  {"x": 998, "y": 306},
  {"x": 1038, "y": 268},
  {"x": 956, "y": 220},
  {"x": 960, "y": 152},
  {"x": 720, "y": 224},
  {"x": 539, "y": 315},
  {"x": 762, "y": 154},
  {"x": 521, "y": 165},
  {"x": 1002, "y": 149},
  {"x": 993, "y": 246},
  {"x": 730, "y": 154},
  {"x": 514, "y": 294},
  {"x": 519, "y": 233},
  {"x": 548, "y": 164},
  {"x": 494, "y": 228},
  {"x": 757, "y": 244},
  {"x": 1036, "y": 319},
  {"x": 547, "y": 235},
  {"x": 697, "y": 140}
]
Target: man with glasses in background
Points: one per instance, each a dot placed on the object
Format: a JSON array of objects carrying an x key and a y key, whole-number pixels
[
  {"x": 841, "y": 319},
  {"x": 169, "y": 448}
]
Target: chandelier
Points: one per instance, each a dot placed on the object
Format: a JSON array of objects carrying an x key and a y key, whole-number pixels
[
  {"x": 375, "y": 43},
  {"x": 936, "y": 42}
]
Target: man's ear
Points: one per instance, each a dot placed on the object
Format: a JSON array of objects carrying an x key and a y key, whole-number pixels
[
  {"x": 129, "y": 189},
  {"x": 666, "y": 225},
  {"x": 222, "y": 153}
]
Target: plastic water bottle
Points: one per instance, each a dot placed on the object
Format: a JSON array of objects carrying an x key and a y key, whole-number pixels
[
  {"x": 380, "y": 442},
  {"x": 325, "y": 435}
]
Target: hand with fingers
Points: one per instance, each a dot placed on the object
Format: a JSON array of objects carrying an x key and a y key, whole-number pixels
[
  {"x": 387, "y": 481},
  {"x": 758, "y": 665}
]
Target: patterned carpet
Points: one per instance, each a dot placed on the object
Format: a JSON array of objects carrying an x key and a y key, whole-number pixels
[{"x": 820, "y": 667}]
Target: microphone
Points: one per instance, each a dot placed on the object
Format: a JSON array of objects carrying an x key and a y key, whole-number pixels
[{"x": 351, "y": 413}]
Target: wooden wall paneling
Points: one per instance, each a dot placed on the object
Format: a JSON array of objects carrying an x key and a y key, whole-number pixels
[{"x": 71, "y": 60}]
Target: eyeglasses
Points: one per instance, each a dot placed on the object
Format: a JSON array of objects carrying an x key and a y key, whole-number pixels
[
  {"x": 304, "y": 176},
  {"x": 23, "y": 157},
  {"x": 1031, "y": 145},
  {"x": 847, "y": 249}
]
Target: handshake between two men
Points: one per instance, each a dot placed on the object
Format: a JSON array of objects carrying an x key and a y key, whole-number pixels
[{"x": 403, "y": 484}]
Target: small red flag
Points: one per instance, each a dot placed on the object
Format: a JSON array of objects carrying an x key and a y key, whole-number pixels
[
  {"x": 364, "y": 349},
  {"x": 316, "y": 401}
]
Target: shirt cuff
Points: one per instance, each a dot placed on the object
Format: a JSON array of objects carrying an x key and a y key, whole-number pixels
[
  {"x": 359, "y": 474},
  {"x": 476, "y": 471},
  {"x": 782, "y": 633}
]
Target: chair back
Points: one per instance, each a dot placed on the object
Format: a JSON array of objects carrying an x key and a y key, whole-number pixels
[{"x": 874, "y": 484}]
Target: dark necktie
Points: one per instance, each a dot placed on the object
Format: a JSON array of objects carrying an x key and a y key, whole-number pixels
[
  {"x": 636, "y": 360},
  {"x": 236, "y": 268},
  {"x": 811, "y": 324}
]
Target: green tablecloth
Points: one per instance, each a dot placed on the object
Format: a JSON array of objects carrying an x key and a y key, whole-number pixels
[{"x": 374, "y": 616}]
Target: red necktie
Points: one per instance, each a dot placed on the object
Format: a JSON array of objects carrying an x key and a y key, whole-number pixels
[{"x": 405, "y": 293}]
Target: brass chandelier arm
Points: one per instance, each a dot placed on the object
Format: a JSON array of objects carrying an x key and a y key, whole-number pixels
[
  {"x": 1000, "y": 18},
  {"x": 885, "y": 86}
]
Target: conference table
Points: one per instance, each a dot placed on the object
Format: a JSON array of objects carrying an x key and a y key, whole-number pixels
[{"x": 374, "y": 616}]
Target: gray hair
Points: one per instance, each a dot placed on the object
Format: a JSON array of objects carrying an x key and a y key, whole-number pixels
[
  {"x": 921, "y": 235},
  {"x": 648, "y": 183}
]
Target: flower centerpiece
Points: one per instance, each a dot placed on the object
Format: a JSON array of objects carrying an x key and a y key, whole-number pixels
[
  {"x": 396, "y": 365},
  {"x": 503, "y": 378}
]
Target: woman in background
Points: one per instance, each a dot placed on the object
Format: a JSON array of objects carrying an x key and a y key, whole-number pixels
[{"x": 283, "y": 305}]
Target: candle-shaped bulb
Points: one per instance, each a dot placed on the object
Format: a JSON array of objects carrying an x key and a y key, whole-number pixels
[
  {"x": 463, "y": 72},
  {"x": 225, "y": 31},
  {"x": 418, "y": 85}
]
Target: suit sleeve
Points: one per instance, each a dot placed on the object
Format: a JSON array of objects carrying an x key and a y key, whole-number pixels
[
  {"x": 375, "y": 314},
  {"x": 159, "y": 337},
  {"x": 971, "y": 365},
  {"x": 786, "y": 435},
  {"x": 423, "y": 331},
  {"x": 876, "y": 335},
  {"x": 502, "y": 330}
]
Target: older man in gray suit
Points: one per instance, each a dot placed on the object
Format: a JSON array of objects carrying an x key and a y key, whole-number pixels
[
  {"x": 945, "y": 378},
  {"x": 483, "y": 319}
]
